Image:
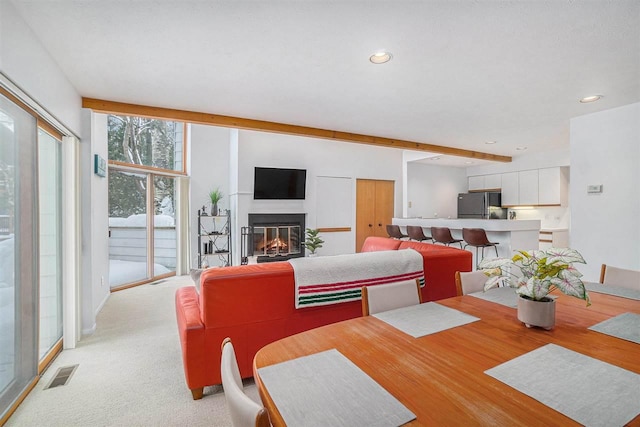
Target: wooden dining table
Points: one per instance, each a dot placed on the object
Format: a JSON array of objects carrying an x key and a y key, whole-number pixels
[{"x": 441, "y": 377}]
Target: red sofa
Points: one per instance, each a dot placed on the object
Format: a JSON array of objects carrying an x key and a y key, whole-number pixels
[{"x": 254, "y": 305}]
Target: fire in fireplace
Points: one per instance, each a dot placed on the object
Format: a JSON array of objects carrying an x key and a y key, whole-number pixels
[
  {"x": 274, "y": 241},
  {"x": 275, "y": 237}
]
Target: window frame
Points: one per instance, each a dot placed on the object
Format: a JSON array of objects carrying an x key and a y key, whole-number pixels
[{"x": 152, "y": 169}]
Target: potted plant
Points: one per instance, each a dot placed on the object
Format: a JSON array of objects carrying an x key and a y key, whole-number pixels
[
  {"x": 312, "y": 242},
  {"x": 215, "y": 196},
  {"x": 535, "y": 274}
]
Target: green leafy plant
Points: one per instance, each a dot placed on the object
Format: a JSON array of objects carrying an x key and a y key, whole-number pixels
[
  {"x": 535, "y": 273},
  {"x": 312, "y": 242},
  {"x": 215, "y": 196}
]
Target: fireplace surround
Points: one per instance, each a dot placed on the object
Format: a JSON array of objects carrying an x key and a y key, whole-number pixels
[{"x": 275, "y": 236}]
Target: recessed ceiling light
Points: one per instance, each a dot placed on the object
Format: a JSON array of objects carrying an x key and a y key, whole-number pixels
[
  {"x": 592, "y": 98},
  {"x": 380, "y": 57},
  {"x": 434, "y": 158},
  {"x": 468, "y": 162},
  {"x": 490, "y": 142},
  {"x": 521, "y": 148}
]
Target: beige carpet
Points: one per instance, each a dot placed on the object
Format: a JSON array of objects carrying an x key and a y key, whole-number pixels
[{"x": 130, "y": 371}]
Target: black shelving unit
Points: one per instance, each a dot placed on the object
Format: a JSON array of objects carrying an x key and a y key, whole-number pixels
[
  {"x": 214, "y": 239},
  {"x": 246, "y": 240}
]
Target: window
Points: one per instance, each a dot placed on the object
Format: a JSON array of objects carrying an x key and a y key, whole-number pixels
[
  {"x": 154, "y": 143},
  {"x": 145, "y": 156}
]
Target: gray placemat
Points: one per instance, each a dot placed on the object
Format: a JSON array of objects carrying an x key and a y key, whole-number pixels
[
  {"x": 625, "y": 326},
  {"x": 613, "y": 290},
  {"x": 425, "y": 319},
  {"x": 327, "y": 389},
  {"x": 504, "y": 295},
  {"x": 589, "y": 391}
]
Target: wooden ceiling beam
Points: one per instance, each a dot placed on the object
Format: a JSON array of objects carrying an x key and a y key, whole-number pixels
[{"x": 104, "y": 106}]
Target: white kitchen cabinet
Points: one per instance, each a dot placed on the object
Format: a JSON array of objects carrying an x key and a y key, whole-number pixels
[
  {"x": 510, "y": 190},
  {"x": 553, "y": 186},
  {"x": 553, "y": 239},
  {"x": 493, "y": 181},
  {"x": 536, "y": 187},
  {"x": 528, "y": 187},
  {"x": 476, "y": 183},
  {"x": 490, "y": 182}
]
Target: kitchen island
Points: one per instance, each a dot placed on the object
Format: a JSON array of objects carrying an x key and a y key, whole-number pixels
[{"x": 512, "y": 235}]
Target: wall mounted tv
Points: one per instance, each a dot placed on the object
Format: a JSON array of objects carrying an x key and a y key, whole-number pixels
[{"x": 279, "y": 184}]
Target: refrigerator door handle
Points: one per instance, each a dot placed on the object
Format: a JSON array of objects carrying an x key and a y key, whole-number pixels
[{"x": 485, "y": 206}]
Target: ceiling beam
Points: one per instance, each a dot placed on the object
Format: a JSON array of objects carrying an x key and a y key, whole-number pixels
[{"x": 260, "y": 125}]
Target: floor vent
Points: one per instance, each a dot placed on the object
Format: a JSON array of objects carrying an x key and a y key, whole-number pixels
[
  {"x": 62, "y": 377},
  {"x": 157, "y": 282}
]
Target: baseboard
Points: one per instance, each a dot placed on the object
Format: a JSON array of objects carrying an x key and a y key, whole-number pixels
[
  {"x": 92, "y": 329},
  {"x": 102, "y": 303},
  {"x": 89, "y": 331}
]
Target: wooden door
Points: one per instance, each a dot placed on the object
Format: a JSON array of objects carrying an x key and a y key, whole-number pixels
[
  {"x": 374, "y": 208},
  {"x": 383, "y": 207},
  {"x": 365, "y": 210}
]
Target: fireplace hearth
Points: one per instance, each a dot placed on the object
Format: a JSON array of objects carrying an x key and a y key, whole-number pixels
[{"x": 275, "y": 237}]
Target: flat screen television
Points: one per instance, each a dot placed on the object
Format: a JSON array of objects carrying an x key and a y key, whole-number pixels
[{"x": 279, "y": 184}]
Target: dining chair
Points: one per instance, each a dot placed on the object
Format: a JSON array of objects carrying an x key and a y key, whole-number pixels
[
  {"x": 379, "y": 298},
  {"x": 477, "y": 237},
  {"x": 469, "y": 282},
  {"x": 443, "y": 235},
  {"x": 243, "y": 410},
  {"x": 415, "y": 232},
  {"x": 394, "y": 231},
  {"x": 620, "y": 277}
]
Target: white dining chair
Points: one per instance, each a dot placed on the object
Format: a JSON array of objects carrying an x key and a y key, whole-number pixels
[
  {"x": 379, "y": 298},
  {"x": 621, "y": 277},
  {"x": 243, "y": 410},
  {"x": 469, "y": 282}
]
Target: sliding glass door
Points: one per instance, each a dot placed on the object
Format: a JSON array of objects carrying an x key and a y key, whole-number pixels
[
  {"x": 128, "y": 241},
  {"x": 18, "y": 251},
  {"x": 50, "y": 213},
  {"x": 164, "y": 225},
  {"x": 145, "y": 156}
]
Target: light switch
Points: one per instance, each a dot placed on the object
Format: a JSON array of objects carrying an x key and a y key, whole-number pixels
[{"x": 594, "y": 188}]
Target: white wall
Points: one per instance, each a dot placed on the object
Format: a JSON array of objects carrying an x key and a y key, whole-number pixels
[
  {"x": 320, "y": 158},
  {"x": 605, "y": 227},
  {"x": 94, "y": 194},
  {"x": 30, "y": 67},
  {"x": 433, "y": 191},
  {"x": 209, "y": 169}
]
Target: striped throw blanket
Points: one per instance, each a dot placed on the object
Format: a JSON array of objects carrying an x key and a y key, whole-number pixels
[{"x": 333, "y": 279}]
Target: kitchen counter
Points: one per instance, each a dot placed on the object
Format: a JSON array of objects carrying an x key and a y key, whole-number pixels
[
  {"x": 512, "y": 235},
  {"x": 487, "y": 224}
]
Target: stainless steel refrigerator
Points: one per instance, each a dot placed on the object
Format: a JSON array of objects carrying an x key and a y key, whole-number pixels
[{"x": 484, "y": 205}]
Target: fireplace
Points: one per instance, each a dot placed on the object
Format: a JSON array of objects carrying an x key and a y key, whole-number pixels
[{"x": 275, "y": 237}]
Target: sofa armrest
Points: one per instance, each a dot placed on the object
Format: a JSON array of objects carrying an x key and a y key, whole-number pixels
[
  {"x": 192, "y": 335},
  {"x": 440, "y": 267}
]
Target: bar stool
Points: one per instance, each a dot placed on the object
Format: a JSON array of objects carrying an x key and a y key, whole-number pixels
[
  {"x": 394, "y": 232},
  {"x": 443, "y": 235},
  {"x": 416, "y": 232},
  {"x": 477, "y": 237}
]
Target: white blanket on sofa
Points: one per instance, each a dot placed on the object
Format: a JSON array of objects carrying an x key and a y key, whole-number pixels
[{"x": 340, "y": 278}]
